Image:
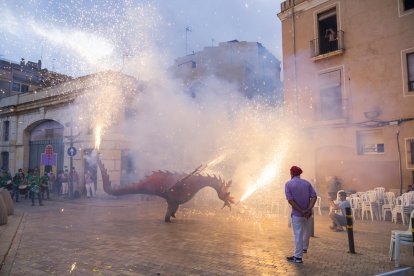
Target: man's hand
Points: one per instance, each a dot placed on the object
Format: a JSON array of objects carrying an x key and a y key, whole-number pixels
[{"x": 307, "y": 213}]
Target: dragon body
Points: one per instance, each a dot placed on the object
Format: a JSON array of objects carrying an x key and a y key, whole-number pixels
[{"x": 175, "y": 188}]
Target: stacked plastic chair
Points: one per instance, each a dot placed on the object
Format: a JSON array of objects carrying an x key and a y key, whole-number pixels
[{"x": 400, "y": 237}]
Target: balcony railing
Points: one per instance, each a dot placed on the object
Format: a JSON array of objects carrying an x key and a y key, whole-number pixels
[{"x": 325, "y": 45}]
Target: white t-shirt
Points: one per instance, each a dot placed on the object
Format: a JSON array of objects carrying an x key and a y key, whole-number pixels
[{"x": 342, "y": 205}]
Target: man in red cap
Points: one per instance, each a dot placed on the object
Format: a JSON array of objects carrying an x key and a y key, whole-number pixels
[{"x": 302, "y": 197}]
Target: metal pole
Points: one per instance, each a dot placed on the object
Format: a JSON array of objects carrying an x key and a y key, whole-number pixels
[
  {"x": 71, "y": 161},
  {"x": 349, "y": 228},
  {"x": 399, "y": 160},
  {"x": 312, "y": 226},
  {"x": 187, "y": 30},
  {"x": 412, "y": 231}
]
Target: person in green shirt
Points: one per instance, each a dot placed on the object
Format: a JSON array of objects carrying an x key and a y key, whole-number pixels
[
  {"x": 5, "y": 181},
  {"x": 18, "y": 180},
  {"x": 34, "y": 182},
  {"x": 44, "y": 186}
]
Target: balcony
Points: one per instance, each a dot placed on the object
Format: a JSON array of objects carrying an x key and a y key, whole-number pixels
[{"x": 327, "y": 46}]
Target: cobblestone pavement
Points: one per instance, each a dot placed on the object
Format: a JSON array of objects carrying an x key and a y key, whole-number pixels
[{"x": 127, "y": 236}]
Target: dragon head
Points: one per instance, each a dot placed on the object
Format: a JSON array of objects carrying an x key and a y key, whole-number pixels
[{"x": 224, "y": 194}]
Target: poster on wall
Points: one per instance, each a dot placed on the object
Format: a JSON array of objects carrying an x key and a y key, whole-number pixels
[{"x": 48, "y": 161}]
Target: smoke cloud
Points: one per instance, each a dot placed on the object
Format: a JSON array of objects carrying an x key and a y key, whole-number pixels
[{"x": 172, "y": 130}]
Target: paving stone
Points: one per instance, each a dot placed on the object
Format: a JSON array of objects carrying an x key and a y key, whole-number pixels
[{"x": 127, "y": 236}]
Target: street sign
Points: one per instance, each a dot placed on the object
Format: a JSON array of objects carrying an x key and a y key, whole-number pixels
[{"x": 71, "y": 151}]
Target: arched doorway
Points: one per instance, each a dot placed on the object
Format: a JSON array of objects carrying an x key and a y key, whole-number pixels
[{"x": 46, "y": 148}]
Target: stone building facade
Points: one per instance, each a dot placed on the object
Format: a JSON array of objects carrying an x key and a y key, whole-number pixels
[
  {"x": 349, "y": 78},
  {"x": 36, "y": 127}
]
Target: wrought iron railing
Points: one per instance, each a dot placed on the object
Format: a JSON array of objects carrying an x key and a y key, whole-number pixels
[{"x": 324, "y": 45}]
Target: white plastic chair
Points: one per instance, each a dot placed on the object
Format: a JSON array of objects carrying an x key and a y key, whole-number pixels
[
  {"x": 318, "y": 205},
  {"x": 380, "y": 192},
  {"x": 366, "y": 206},
  {"x": 389, "y": 202},
  {"x": 408, "y": 203},
  {"x": 338, "y": 197},
  {"x": 398, "y": 209},
  {"x": 355, "y": 206},
  {"x": 400, "y": 237}
]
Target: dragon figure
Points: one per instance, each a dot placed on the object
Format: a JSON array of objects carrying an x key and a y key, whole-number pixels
[{"x": 175, "y": 188}]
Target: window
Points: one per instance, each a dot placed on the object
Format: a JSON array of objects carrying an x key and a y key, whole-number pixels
[
  {"x": 409, "y": 151},
  {"x": 24, "y": 88},
  {"x": 6, "y": 130},
  {"x": 16, "y": 87},
  {"x": 410, "y": 71},
  {"x": 327, "y": 31},
  {"x": 4, "y": 160},
  {"x": 330, "y": 95},
  {"x": 408, "y": 5},
  {"x": 4, "y": 87},
  {"x": 412, "y": 150},
  {"x": 370, "y": 142}
]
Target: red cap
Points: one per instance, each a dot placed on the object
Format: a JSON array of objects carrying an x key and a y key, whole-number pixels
[{"x": 295, "y": 171}]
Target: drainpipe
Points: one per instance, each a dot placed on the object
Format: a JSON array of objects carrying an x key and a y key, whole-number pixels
[
  {"x": 294, "y": 58},
  {"x": 399, "y": 160}
]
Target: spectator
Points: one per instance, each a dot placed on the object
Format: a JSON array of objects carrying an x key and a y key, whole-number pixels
[
  {"x": 44, "y": 186},
  {"x": 65, "y": 182},
  {"x": 302, "y": 197},
  {"x": 339, "y": 220},
  {"x": 35, "y": 187},
  {"x": 90, "y": 189},
  {"x": 74, "y": 177},
  {"x": 334, "y": 185},
  {"x": 52, "y": 181}
]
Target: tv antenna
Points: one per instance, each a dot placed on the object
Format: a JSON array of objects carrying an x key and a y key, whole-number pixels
[{"x": 187, "y": 30}]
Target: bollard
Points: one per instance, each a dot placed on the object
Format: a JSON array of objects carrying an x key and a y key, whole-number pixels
[
  {"x": 8, "y": 201},
  {"x": 350, "y": 230},
  {"x": 3, "y": 211},
  {"x": 312, "y": 226}
]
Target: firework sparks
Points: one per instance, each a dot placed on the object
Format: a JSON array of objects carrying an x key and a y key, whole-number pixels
[
  {"x": 72, "y": 268},
  {"x": 268, "y": 174},
  {"x": 98, "y": 136},
  {"x": 216, "y": 161}
]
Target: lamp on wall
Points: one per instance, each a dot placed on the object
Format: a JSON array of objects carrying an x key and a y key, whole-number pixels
[{"x": 372, "y": 114}]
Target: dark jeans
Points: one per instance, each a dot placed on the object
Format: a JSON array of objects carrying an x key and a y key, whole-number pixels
[
  {"x": 45, "y": 189},
  {"x": 39, "y": 196},
  {"x": 15, "y": 193},
  {"x": 58, "y": 187}
]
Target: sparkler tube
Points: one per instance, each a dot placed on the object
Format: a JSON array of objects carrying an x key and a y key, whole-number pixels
[{"x": 190, "y": 174}]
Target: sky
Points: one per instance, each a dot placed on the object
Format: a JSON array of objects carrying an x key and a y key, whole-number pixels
[{"x": 74, "y": 36}]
